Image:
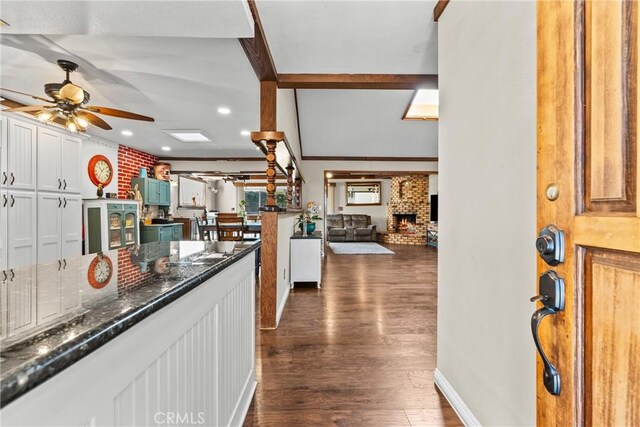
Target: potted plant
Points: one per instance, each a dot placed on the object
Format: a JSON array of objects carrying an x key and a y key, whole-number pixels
[{"x": 306, "y": 221}]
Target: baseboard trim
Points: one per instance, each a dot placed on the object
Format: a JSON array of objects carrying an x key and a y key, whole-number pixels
[
  {"x": 454, "y": 399},
  {"x": 283, "y": 302},
  {"x": 243, "y": 404}
]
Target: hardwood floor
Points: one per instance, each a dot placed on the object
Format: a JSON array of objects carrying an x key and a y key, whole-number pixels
[{"x": 360, "y": 351}]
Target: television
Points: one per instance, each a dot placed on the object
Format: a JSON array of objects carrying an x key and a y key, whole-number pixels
[{"x": 434, "y": 208}]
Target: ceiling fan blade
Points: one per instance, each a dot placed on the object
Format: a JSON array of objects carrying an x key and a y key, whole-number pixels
[
  {"x": 96, "y": 121},
  {"x": 118, "y": 113},
  {"x": 27, "y": 94},
  {"x": 26, "y": 109},
  {"x": 72, "y": 93}
]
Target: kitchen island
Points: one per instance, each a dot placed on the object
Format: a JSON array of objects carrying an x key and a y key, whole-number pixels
[{"x": 159, "y": 333}]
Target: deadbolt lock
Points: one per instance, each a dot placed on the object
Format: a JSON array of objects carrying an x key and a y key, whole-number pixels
[{"x": 550, "y": 245}]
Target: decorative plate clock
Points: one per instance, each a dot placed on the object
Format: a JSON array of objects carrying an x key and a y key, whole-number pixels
[
  {"x": 100, "y": 271},
  {"x": 100, "y": 170}
]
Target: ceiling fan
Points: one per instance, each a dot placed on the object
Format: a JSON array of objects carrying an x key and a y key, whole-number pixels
[{"x": 68, "y": 101}]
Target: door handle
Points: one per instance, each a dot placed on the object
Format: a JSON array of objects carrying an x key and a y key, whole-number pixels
[
  {"x": 4, "y": 275},
  {"x": 551, "y": 295},
  {"x": 4, "y": 177},
  {"x": 65, "y": 184},
  {"x": 13, "y": 178},
  {"x": 13, "y": 201},
  {"x": 64, "y": 263},
  {"x": 59, "y": 183}
]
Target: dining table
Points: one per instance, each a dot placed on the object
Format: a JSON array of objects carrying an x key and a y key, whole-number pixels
[{"x": 212, "y": 229}]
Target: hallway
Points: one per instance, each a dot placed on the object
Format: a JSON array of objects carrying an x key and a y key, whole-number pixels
[{"x": 361, "y": 351}]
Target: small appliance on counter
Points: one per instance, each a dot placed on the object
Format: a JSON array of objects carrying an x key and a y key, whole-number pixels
[{"x": 110, "y": 224}]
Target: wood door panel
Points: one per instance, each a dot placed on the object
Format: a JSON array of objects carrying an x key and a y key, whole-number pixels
[
  {"x": 612, "y": 338},
  {"x": 610, "y": 63}
]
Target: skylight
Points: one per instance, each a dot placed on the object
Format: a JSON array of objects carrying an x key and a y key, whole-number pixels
[
  {"x": 189, "y": 135},
  {"x": 423, "y": 106}
]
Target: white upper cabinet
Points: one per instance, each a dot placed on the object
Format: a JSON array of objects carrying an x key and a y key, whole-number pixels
[
  {"x": 4, "y": 207},
  {"x": 21, "y": 155},
  {"x": 71, "y": 170},
  {"x": 4, "y": 175},
  {"x": 49, "y": 159}
]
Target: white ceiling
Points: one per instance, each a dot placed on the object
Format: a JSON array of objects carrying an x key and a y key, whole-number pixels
[
  {"x": 363, "y": 123},
  {"x": 168, "y": 18},
  {"x": 377, "y": 37},
  {"x": 180, "y": 82}
]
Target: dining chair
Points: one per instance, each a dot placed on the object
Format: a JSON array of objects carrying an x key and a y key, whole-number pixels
[
  {"x": 230, "y": 227},
  {"x": 202, "y": 232}
]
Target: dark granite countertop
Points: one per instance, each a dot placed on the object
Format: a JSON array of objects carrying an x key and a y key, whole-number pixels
[
  {"x": 55, "y": 314},
  {"x": 314, "y": 235}
]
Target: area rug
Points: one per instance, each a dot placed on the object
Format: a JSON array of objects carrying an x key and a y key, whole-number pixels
[{"x": 359, "y": 248}]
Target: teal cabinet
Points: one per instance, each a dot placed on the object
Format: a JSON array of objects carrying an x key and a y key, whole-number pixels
[
  {"x": 154, "y": 192},
  {"x": 160, "y": 233}
]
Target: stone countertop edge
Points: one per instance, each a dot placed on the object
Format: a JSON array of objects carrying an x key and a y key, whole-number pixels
[
  {"x": 43, "y": 368},
  {"x": 315, "y": 235}
]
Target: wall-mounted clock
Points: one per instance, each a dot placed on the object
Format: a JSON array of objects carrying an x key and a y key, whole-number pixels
[
  {"x": 100, "y": 170},
  {"x": 100, "y": 271}
]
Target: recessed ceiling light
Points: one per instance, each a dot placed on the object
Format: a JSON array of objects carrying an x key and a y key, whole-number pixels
[
  {"x": 258, "y": 147},
  {"x": 165, "y": 148},
  {"x": 127, "y": 133},
  {"x": 188, "y": 135},
  {"x": 329, "y": 175},
  {"x": 245, "y": 133},
  {"x": 224, "y": 110}
]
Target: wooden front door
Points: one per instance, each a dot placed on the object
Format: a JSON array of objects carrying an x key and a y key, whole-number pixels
[{"x": 588, "y": 162}]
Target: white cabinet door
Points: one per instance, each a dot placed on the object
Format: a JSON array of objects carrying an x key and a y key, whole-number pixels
[
  {"x": 49, "y": 295},
  {"x": 71, "y": 284},
  {"x": 4, "y": 209},
  {"x": 49, "y": 227},
  {"x": 21, "y": 226},
  {"x": 71, "y": 226},
  {"x": 21, "y": 155},
  {"x": 21, "y": 302},
  {"x": 4, "y": 174},
  {"x": 49, "y": 154},
  {"x": 71, "y": 169}
]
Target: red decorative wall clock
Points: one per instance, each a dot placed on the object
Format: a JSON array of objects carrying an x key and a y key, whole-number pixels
[
  {"x": 100, "y": 170},
  {"x": 100, "y": 271}
]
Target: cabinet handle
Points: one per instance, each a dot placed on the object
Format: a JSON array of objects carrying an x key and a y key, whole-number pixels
[
  {"x": 59, "y": 265},
  {"x": 65, "y": 203},
  {"x": 13, "y": 178},
  {"x": 4, "y": 179},
  {"x": 64, "y": 263},
  {"x": 13, "y": 201},
  {"x": 65, "y": 184},
  {"x": 59, "y": 183},
  {"x": 4, "y": 274},
  {"x": 5, "y": 200},
  {"x": 13, "y": 275},
  {"x": 59, "y": 202}
]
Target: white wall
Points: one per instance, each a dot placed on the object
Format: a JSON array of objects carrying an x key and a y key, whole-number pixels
[
  {"x": 91, "y": 147},
  {"x": 378, "y": 214},
  {"x": 487, "y": 174},
  {"x": 286, "y": 222},
  {"x": 227, "y": 197}
]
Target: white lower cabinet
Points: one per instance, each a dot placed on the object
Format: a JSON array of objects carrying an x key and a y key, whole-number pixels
[
  {"x": 71, "y": 221},
  {"x": 21, "y": 301},
  {"x": 306, "y": 259}
]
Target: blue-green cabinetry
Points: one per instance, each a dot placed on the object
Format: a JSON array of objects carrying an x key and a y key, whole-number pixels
[
  {"x": 154, "y": 191},
  {"x": 160, "y": 233}
]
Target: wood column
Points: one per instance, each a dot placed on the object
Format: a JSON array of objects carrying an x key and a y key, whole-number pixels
[
  {"x": 269, "y": 270},
  {"x": 268, "y": 106},
  {"x": 271, "y": 173},
  {"x": 298, "y": 190},
  {"x": 290, "y": 187}
]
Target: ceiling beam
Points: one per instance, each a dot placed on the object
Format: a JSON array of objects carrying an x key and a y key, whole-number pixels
[
  {"x": 212, "y": 159},
  {"x": 371, "y": 159},
  {"x": 357, "y": 81},
  {"x": 257, "y": 49},
  {"x": 439, "y": 9}
]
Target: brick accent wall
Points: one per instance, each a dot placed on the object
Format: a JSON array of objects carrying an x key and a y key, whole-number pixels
[
  {"x": 130, "y": 161},
  {"x": 409, "y": 195},
  {"x": 129, "y": 274}
]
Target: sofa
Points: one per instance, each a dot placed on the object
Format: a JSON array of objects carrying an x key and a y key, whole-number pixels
[{"x": 350, "y": 228}]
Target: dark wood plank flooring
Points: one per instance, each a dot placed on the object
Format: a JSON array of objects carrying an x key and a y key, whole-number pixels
[{"x": 359, "y": 352}]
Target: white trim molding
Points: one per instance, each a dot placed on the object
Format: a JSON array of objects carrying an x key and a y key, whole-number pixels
[{"x": 454, "y": 399}]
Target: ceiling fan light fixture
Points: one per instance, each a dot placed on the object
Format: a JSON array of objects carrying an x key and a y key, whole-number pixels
[
  {"x": 81, "y": 122},
  {"x": 45, "y": 116},
  {"x": 71, "y": 125}
]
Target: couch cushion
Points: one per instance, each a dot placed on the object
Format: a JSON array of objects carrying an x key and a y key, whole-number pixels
[
  {"x": 335, "y": 221},
  {"x": 362, "y": 231},
  {"x": 337, "y": 232},
  {"x": 360, "y": 221}
]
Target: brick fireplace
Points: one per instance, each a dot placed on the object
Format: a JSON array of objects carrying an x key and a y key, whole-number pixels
[{"x": 408, "y": 210}]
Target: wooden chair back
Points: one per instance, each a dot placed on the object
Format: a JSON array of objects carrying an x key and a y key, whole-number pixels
[
  {"x": 230, "y": 227},
  {"x": 202, "y": 233}
]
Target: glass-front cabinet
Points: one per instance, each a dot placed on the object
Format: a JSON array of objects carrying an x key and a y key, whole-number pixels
[
  {"x": 115, "y": 230},
  {"x": 110, "y": 224},
  {"x": 130, "y": 228}
]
